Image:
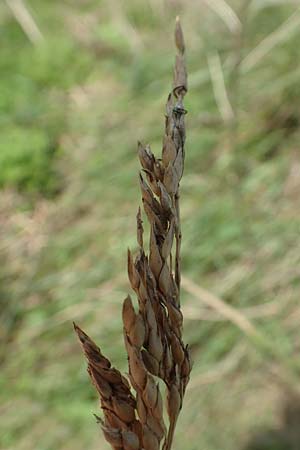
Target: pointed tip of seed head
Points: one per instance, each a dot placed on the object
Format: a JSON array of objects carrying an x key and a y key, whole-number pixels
[
  {"x": 179, "y": 39},
  {"x": 82, "y": 336},
  {"x": 80, "y": 333},
  {"x": 76, "y": 327}
]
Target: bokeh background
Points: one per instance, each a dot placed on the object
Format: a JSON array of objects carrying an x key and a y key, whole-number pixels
[{"x": 82, "y": 81}]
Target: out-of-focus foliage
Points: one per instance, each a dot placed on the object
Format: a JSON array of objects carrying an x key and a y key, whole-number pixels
[{"x": 72, "y": 108}]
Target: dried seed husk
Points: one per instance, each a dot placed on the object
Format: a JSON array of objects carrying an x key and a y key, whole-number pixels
[
  {"x": 173, "y": 402},
  {"x": 111, "y": 418},
  {"x": 130, "y": 440},
  {"x": 164, "y": 279},
  {"x": 137, "y": 368},
  {"x": 155, "y": 345},
  {"x": 141, "y": 409},
  {"x": 180, "y": 75},
  {"x": 123, "y": 410},
  {"x": 146, "y": 157},
  {"x": 169, "y": 152},
  {"x": 132, "y": 272},
  {"x": 150, "y": 440},
  {"x": 151, "y": 178},
  {"x": 128, "y": 313},
  {"x": 178, "y": 164},
  {"x": 179, "y": 39},
  {"x": 158, "y": 170},
  {"x": 177, "y": 350},
  {"x": 143, "y": 296},
  {"x": 168, "y": 242},
  {"x": 187, "y": 364},
  {"x": 150, "y": 393},
  {"x": 175, "y": 315},
  {"x": 112, "y": 376},
  {"x": 171, "y": 180},
  {"x": 113, "y": 436},
  {"x": 102, "y": 386},
  {"x": 155, "y": 260},
  {"x": 152, "y": 217},
  {"x": 137, "y": 332},
  {"x": 156, "y": 424},
  {"x": 150, "y": 362},
  {"x": 148, "y": 196}
]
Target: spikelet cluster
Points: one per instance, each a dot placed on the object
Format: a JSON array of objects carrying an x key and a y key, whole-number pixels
[
  {"x": 120, "y": 426},
  {"x": 153, "y": 333}
]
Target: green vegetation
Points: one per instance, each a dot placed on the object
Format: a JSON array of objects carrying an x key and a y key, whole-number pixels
[{"x": 72, "y": 108}]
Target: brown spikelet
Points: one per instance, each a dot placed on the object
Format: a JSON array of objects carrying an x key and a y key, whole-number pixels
[
  {"x": 149, "y": 403},
  {"x": 120, "y": 425},
  {"x": 153, "y": 333},
  {"x": 179, "y": 39}
]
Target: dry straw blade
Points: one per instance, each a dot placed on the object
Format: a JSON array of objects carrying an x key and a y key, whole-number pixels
[{"x": 153, "y": 333}]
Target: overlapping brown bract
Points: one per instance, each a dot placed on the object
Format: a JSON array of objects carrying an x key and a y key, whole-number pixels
[
  {"x": 153, "y": 335},
  {"x": 120, "y": 426},
  {"x": 149, "y": 401}
]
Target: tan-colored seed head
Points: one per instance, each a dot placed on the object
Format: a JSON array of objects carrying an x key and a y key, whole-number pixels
[{"x": 153, "y": 332}]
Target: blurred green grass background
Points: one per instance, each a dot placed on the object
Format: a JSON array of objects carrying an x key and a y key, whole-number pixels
[{"x": 74, "y": 101}]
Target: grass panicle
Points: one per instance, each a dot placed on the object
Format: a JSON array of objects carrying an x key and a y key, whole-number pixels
[{"x": 153, "y": 334}]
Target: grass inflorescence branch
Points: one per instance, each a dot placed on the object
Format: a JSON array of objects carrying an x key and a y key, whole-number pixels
[{"x": 153, "y": 333}]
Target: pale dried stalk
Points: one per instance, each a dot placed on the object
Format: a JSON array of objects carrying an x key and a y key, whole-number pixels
[
  {"x": 153, "y": 335},
  {"x": 26, "y": 21}
]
